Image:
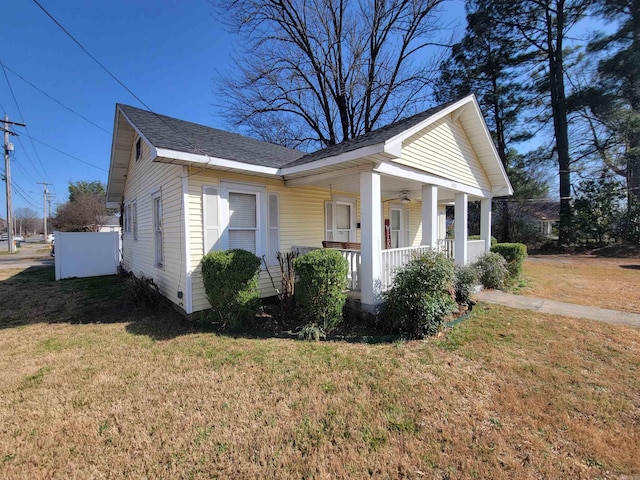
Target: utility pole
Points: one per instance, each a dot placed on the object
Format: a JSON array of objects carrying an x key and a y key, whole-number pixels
[
  {"x": 45, "y": 195},
  {"x": 8, "y": 147}
]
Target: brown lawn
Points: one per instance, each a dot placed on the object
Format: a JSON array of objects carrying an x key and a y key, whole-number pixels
[
  {"x": 599, "y": 282},
  {"x": 506, "y": 395}
]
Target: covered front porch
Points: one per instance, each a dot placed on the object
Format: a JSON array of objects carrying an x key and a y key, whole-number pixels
[
  {"x": 394, "y": 258},
  {"x": 380, "y": 240}
]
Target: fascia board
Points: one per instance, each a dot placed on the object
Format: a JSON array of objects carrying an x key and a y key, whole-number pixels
[
  {"x": 214, "y": 162},
  {"x": 398, "y": 139},
  {"x": 334, "y": 160}
]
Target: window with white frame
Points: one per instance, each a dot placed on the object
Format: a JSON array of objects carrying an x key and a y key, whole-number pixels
[
  {"x": 395, "y": 224},
  {"x": 134, "y": 219},
  {"x": 340, "y": 220},
  {"x": 399, "y": 226},
  {"x": 407, "y": 228},
  {"x": 243, "y": 221},
  {"x": 237, "y": 215},
  {"x": 157, "y": 228},
  {"x": 126, "y": 222}
]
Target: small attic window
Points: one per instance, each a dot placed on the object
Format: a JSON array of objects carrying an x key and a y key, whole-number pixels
[{"x": 138, "y": 150}]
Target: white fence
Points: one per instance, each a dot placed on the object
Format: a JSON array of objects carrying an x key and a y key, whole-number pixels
[{"x": 86, "y": 254}]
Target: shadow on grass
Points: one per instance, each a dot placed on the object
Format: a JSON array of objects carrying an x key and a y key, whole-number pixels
[
  {"x": 630, "y": 267},
  {"x": 33, "y": 296}
]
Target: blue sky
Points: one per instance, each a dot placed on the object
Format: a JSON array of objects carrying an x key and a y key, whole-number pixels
[{"x": 166, "y": 51}]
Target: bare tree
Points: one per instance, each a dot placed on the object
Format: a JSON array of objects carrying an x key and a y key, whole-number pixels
[
  {"x": 26, "y": 220},
  {"x": 85, "y": 210},
  {"x": 319, "y": 72}
]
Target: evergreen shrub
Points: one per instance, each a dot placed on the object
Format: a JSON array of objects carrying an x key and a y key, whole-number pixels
[
  {"x": 321, "y": 289},
  {"x": 514, "y": 254},
  {"x": 421, "y": 296},
  {"x": 492, "y": 270},
  {"x": 231, "y": 284}
]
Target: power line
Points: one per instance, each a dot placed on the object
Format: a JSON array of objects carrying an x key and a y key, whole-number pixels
[
  {"x": 22, "y": 118},
  {"x": 69, "y": 155},
  {"x": 198, "y": 150},
  {"x": 55, "y": 100}
]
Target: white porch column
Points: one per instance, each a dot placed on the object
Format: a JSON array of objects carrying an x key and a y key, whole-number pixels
[
  {"x": 371, "y": 239},
  {"x": 460, "y": 244},
  {"x": 430, "y": 215},
  {"x": 485, "y": 222}
]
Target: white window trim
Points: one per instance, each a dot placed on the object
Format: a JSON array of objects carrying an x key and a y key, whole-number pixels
[
  {"x": 210, "y": 238},
  {"x": 261, "y": 212},
  {"x": 341, "y": 201},
  {"x": 126, "y": 222},
  {"x": 270, "y": 228},
  {"x": 402, "y": 241},
  {"x": 133, "y": 213},
  {"x": 154, "y": 197}
]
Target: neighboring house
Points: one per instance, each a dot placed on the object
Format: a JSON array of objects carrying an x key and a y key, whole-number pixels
[
  {"x": 188, "y": 189},
  {"x": 111, "y": 224},
  {"x": 545, "y": 214}
]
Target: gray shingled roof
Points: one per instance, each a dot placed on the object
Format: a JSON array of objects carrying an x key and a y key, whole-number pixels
[
  {"x": 372, "y": 138},
  {"x": 173, "y": 134}
]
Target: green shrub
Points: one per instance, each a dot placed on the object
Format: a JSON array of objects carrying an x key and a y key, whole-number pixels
[
  {"x": 312, "y": 332},
  {"x": 492, "y": 270},
  {"x": 321, "y": 288},
  {"x": 466, "y": 280},
  {"x": 494, "y": 240},
  {"x": 231, "y": 284},
  {"x": 420, "y": 297},
  {"x": 514, "y": 254}
]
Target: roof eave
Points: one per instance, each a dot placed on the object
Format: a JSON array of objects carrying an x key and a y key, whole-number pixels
[
  {"x": 333, "y": 160},
  {"x": 212, "y": 162}
]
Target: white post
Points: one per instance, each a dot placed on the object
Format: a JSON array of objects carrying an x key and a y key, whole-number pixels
[
  {"x": 430, "y": 216},
  {"x": 460, "y": 244},
  {"x": 371, "y": 237},
  {"x": 485, "y": 222}
]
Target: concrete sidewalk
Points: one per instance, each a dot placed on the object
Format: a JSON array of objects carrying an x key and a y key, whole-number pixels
[{"x": 558, "y": 308}]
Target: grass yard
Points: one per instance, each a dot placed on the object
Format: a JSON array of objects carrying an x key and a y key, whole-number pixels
[
  {"x": 506, "y": 395},
  {"x": 597, "y": 282}
]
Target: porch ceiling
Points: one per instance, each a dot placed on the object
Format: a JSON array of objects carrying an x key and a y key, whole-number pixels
[{"x": 391, "y": 186}]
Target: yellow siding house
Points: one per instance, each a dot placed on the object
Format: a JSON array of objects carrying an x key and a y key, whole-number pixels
[{"x": 187, "y": 189}]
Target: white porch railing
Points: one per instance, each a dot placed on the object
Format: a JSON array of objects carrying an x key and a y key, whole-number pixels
[
  {"x": 394, "y": 258},
  {"x": 353, "y": 259},
  {"x": 353, "y": 273},
  {"x": 475, "y": 248},
  {"x": 446, "y": 246}
]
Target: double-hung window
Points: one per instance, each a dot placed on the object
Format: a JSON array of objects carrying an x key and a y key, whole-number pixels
[
  {"x": 340, "y": 220},
  {"x": 399, "y": 226},
  {"x": 243, "y": 221},
  {"x": 245, "y": 216}
]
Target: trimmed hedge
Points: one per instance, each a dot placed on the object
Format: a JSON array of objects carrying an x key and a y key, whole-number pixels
[
  {"x": 231, "y": 283},
  {"x": 421, "y": 296},
  {"x": 514, "y": 254},
  {"x": 321, "y": 288}
]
